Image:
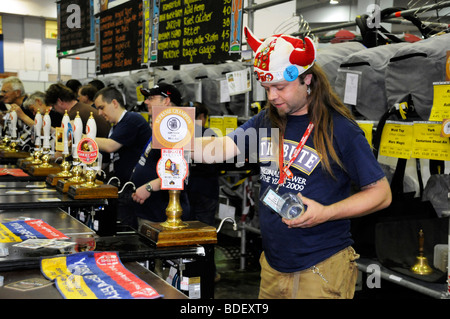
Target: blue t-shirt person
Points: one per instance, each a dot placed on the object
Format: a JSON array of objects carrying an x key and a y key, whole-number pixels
[
  {"x": 132, "y": 132},
  {"x": 294, "y": 249}
]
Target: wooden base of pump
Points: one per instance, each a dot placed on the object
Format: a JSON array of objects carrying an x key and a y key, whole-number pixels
[
  {"x": 83, "y": 191},
  {"x": 174, "y": 231},
  {"x": 25, "y": 162},
  {"x": 52, "y": 179},
  {"x": 6, "y": 153},
  {"x": 37, "y": 170},
  {"x": 63, "y": 184},
  {"x": 194, "y": 233}
]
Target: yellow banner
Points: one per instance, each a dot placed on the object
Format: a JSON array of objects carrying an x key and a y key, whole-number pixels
[
  {"x": 396, "y": 140},
  {"x": 7, "y": 236},
  {"x": 428, "y": 143},
  {"x": 72, "y": 286},
  {"x": 441, "y": 102},
  {"x": 54, "y": 267}
]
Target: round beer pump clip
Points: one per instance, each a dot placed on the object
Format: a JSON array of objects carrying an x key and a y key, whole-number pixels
[
  {"x": 173, "y": 127},
  {"x": 87, "y": 150}
]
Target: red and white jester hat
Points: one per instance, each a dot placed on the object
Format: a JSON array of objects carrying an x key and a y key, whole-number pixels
[{"x": 280, "y": 57}]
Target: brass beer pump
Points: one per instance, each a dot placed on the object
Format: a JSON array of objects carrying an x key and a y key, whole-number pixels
[
  {"x": 91, "y": 129},
  {"x": 174, "y": 212},
  {"x": 174, "y": 231},
  {"x": 77, "y": 169},
  {"x": 37, "y": 140},
  {"x": 87, "y": 152},
  {"x": 66, "y": 165},
  {"x": 45, "y": 168},
  {"x": 46, "y": 143},
  {"x": 421, "y": 266},
  {"x": 7, "y": 138},
  {"x": 13, "y": 132}
]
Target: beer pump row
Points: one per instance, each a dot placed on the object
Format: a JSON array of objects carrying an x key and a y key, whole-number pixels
[{"x": 76, "y": 177}]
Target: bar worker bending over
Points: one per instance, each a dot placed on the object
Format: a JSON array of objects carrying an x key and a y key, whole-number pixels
[{"x": 307, "y": 144}]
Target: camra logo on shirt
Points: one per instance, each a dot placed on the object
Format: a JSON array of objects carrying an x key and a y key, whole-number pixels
[{"x": 306, "y": 161}]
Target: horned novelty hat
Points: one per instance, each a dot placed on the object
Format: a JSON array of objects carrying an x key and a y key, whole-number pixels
[{"x": 281, "y": 57}]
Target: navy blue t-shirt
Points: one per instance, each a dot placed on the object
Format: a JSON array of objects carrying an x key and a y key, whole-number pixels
[
  {"x": 290, "y": 250},
  {"x": 133, "y": 132}
]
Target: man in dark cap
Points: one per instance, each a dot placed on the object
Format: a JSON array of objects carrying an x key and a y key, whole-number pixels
[
  {"x": 150, "y": 202},
  {"x": 162, "y": 94}
]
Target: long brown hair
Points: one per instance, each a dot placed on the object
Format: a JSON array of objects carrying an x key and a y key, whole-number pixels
[{"x": 321, "y": 102}]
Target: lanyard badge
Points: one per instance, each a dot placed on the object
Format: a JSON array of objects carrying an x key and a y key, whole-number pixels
[
  {"x": 285, "y": 172},
  {"x": 287, "y": 205}
]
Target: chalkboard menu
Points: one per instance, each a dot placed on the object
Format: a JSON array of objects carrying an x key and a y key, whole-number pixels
[
  {"x": 120, "y": 38},
  {"x": 192, "y": 31},
  {"x": 74, "y": 24}
]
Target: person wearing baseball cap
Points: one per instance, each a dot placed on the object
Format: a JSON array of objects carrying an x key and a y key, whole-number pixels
[
  {"x": 150, "y": 202},
  {"x": 310, "y": 146},
  {"x": 162, "y": 94}
]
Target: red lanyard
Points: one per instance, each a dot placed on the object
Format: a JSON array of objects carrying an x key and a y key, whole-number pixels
[{"x": 284, "y": 170}]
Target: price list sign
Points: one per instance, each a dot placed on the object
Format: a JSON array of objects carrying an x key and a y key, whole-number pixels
[
  {"x": 428, "y": 143},
  {"x": 396, "y": 139},
  {"x": 74, "y": 25},
  {"x": 120, "y": 37},
  {"x": 441, "y": 101},
  {"x": 194, "y": 31}
]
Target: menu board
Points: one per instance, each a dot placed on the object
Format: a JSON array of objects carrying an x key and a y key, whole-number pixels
[
  {"x": 396, "y": 139},
  {"x": 74, "y": 24},
  {"x": 120, "y": 38},
  {"x": 428, "y": 142},
  {"x": 194, "y": 31}
]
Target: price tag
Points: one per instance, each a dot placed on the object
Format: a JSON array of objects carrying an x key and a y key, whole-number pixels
[
  {"x": 428, "y": 142},
  {"x": 396, "y": 139},
  {"x": 441, "y": 101}
]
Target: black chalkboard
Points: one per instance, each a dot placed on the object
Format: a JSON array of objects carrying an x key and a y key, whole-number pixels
[
  {"x": 74, "y": 24},
  {"x": 192, "y": 31},
  {"x": 120, "y": 38}
]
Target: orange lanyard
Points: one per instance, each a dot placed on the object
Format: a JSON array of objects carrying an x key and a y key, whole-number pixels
[{"x": 284, "y": 169}]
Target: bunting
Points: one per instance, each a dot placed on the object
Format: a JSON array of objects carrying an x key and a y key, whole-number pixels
[
  {"x": 95, "y": 275},
  {"x": 20, "y": 230}
]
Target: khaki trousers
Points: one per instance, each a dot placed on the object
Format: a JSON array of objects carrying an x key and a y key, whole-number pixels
[{"x": 333, "y": 278}]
